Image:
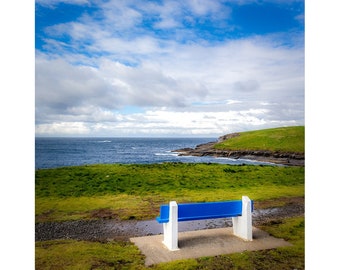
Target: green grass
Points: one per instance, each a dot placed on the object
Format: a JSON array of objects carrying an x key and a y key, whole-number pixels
[
  {"x": 149, "y": 179},
  {"x": 283, "y": 139},
  {"x": 136, "y": 191},
  {"x": 72, "y": 254}
]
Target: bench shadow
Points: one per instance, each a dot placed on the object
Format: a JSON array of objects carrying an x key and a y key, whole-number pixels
[{"x": 192, "y": 240}]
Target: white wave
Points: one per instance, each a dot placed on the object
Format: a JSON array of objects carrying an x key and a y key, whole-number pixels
[
  {"x": 251, "y": 161},
  {"x": 166, "y": 154}
]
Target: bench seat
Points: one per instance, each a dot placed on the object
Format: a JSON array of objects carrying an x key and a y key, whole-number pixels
[{"x": 199, "y": 211}]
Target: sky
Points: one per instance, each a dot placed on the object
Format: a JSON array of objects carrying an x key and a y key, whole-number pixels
[
  {"x": 28, "y": 110},
  {"x": 221, "y": 51},
  {"x": 171, "y": 68}
]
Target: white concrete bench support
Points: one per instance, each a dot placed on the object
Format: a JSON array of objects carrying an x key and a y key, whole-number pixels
[
  {"x": 171, "y": 228},
  {"x": 242, "y": 226}
]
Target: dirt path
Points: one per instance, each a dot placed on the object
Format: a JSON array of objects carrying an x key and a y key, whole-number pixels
[{"x": 108, "y": 229}]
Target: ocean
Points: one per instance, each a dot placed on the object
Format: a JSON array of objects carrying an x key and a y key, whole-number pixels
[{"x": 60, "y": 152}]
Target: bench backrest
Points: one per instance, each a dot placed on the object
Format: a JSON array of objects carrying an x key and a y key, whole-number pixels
[{"x": 208, "y": 210}]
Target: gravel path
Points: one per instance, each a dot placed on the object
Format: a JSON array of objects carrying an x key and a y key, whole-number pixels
[{"x": 109, "y": 229}]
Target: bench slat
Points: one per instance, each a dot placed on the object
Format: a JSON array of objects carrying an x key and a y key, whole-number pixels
[
  {"x": 195, "y": 211},
  {"x": 208, "y": 217},
  {"x": 208, "y": 210},
  {"x": 164, "y": 214}
]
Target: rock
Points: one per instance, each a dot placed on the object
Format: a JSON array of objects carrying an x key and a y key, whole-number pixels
[{"x": 207, "y": 149}]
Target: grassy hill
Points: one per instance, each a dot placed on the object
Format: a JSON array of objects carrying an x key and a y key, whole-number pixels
[{"x": 283, "y": 139}]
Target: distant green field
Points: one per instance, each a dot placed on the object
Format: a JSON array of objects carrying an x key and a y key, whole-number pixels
[
  {"x": 136, "y": 190},
  {"x": 283, "y": 139}
]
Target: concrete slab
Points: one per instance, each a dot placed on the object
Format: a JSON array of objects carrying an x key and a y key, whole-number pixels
[{"x": 211, "y": 242}]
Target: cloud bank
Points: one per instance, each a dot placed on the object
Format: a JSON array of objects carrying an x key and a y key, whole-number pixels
[{"x": 172, "y": 68}]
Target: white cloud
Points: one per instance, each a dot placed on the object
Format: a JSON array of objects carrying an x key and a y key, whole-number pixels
[
  {"x": 245, "y": 74},
  {"x": 187, "y": 88},
  {"x": 60, "y": 86},
  {"x": 167, "y": 123},
  {"x": 62, "y": 129}
]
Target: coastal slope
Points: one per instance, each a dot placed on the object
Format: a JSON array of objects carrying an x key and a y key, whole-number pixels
[{"x": 284, "y": 145}]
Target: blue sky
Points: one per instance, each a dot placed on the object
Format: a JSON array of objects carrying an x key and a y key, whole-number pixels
[{"x": 167, "y": 68}]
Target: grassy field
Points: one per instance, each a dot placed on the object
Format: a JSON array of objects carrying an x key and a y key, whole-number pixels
[
  {"x": 72, "y": 254},
  {"x": 283, "y": 139},
  {"x": 136, "y": 192}
]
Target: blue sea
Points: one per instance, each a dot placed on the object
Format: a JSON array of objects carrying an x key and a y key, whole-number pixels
[{"x": 60, "y": 152}]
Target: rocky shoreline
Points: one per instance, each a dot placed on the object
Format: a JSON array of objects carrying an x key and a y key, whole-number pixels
[{"x": 207, "y": 149}]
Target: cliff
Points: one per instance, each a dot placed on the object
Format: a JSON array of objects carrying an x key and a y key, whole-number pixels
[{"x": 277, "y": 157}]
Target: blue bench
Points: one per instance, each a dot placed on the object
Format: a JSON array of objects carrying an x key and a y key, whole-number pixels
[
  {"x": 238, "y": 210},
  {"x": 197, "y": 211}
]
